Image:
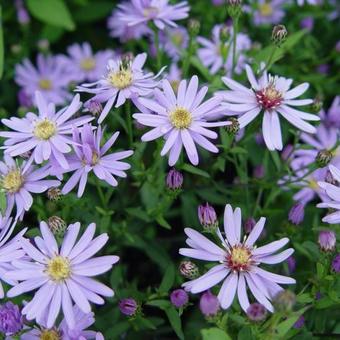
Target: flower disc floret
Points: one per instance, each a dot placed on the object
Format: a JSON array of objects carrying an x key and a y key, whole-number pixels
[
  {"x": 12, "y": 181},
  {"x": 45, "y": 129}
]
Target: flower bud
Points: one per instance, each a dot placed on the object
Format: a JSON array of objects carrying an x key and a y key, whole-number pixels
[
  {"x": 179, "y": 298},
  {"x": 291, "y": 264},
  {"x": 209, "y": 304},
  {"x": 316, "y": 106},
  {"x": 225, "y": 34},
  {"x": 307, "y": 23},
  {"x": 94, "y": 107},
  {"x": 299, "y": 323},
  {"x": 234, "y": 127},
  {"x": 249, "y": 225},
  {"x": 287, "y": 152},
  {"x": 284, "y": 301},
  {"x": 57, "y": 225},
  {"x": 330, "y": 179},
  {"x": 11, "y": 320},
  {"x": 279, "y": 35},
  {"x": 234, "y": 8},
  {"x": 194, "y": 27},
  {"x": 128, "y": 306},
  {"x": 54, "y": 194},
  {"x": 24, "y": 99},
  {"x": 327, "y": 240},
  {"x": 43, "y": 45},
  {"x": 323, "y": 158},
  {"x": 256, "y": 312},
  {"x": 189, "y": 270},
  {"x": 336, "y": 263},
  {"x": 296, "y": 213},
  {"x": 207, "y": 217},
  {"x": 174, "y": 180},
  {"x": 259, "y": 171}
]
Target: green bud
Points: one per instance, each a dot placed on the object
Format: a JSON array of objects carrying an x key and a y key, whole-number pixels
[
  {"x": 57, "y": 225},
  {"x": 194, "y": 27},
  {"x": 279, "y": 35},
  {"x": 234, "y": 127},
  {"x": 284, "y": 301},
  {"x": 323, "y": 158}
]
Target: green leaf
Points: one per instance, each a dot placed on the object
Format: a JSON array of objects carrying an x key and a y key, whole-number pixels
[
  {"x": 162, "y": 304},
  {"x": 161, "y": 221},
  {"x": 287, "y": 324},
  {"x": 52, "y": 12},
  {"x": 93, "y": 11},
  {"x": 195, "y": 171},
  {"x": 2, "y": 203},
  {"x": 175, "y": 321},
  {"x": 214, "y": 334},
  {"x": 168, "y": 279},
  {"x": 2, "y": 52},
  {"x": 245, "y": 334}
]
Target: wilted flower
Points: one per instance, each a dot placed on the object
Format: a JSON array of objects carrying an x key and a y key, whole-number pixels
[
  {"x": 209, "y": 304},
  {"x": 179, "y": 298},
  {"x": 174, "y": 180},
  {"x": 54, "y": 194},
  {"x": 327, "y": 240},
  {"x": 256, "y": 312},
  {"x": 297, "y": 213},
  {"x": 239, "y": 263},
  {"x": 181, "y": 120},
  {"x": 128, "y": 306},
  {"x": 124, "y": 79},
  {"x": 45, "y": 134},
  {"x": 49, "y": 78},
  {"x": 284, "y": 301},
  {"x": 189, "y": 269},
  {"x": 272, "y": 96},
  {"x": 11, "y": 320},
  {"x": 19, "y": 181},
  {"x": 234, "y": 127},
  {"x": 207, "y": 217},
  {"x": 336, "y": 263},
  {"x": 90, "y": 156},
  {"x": 61, "y": 274}
]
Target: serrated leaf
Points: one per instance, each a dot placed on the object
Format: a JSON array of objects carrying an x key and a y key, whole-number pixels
[{"x": 52, "y": 12}]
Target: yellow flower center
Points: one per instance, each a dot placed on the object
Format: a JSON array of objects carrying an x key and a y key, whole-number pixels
[
  {"x": 272, "y": 93},
  {"x": 12, "y": 181},
  {"x": 45, "y": 84},
  {"x": 95, "y": 158},
  {"x": 177, "y": 39},
  {"x": 266, "y": 9},
  {"x": 239, "y": 258},
  {"x": 88, "y": 64},
  {"x": 44, "y": 129},
  {"x": 59, "y": 268},
  {"x": 180, "y": 118},
  {"x": 313, "y": 184},
  {"x": 121, "y": 79},
  {"x": 49, "y": 335}
]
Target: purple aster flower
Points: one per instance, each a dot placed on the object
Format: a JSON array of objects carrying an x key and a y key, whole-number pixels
[
  {"x": 11, "y": 320},
  {"x": 216, "y": 54},
  {"x": 64, "y": 332},
  {"x": 174, "y": 40},
  {"x": 291, "y": 264},
  {"x": 9, "y": 250},
  {"x": 49, "y": 78},
  {"x": 268, "y": 12},
  {"x": 19, "y": 181},
  {"x": 123, "y": 80},
  {"x": 333, "y": 194},
  {"x": 90, "y": 156},
  {"x": 61, "y": 274},
  {"x": 209, "y": 304},
  {"x": 238, "y": 263},
  {"x": 179, "y": 298},
  {"x": 327, "y": 240},
  {"x": 271, "y": 95},
  {"x": 160, "y": 12},
  {"x": 336, "y": 263},
  {"x": 120, "y": 29},
  {"x": 181, "y": 120},
  {"x": 307, "y": 23},
  {"x": 128, "y": 306},
  {"x": 174, "y": 180},
  {"x": 84, "y": 65},
  {"x": 256, "y": 312},
  {"x": 297, "y": 213},
  {"x": 44, "y": 134}
]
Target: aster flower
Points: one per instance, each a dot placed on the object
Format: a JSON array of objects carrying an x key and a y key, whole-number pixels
[
  {"x": 84, "y": 65},
  {"x": 90, "y": 156},
  {"x": 181, "y": 120},
  {"x": 61, "y": 274},
  {"x": 239, "y": 263},
  {"x": 19, "y": 181},
  {"x": 333, "y": 193},
  {"x": 9, "y": 249},
  {"x": 120, "y": 29},
  {"x": 11, "y": 320},
  {"x": 268, "y": 12},
  {"x": 216, "y": 54},
  {"x": 44, "y": 134},
  {"x": 272, "y": 96},
  {"x": 49, "y": 77},
  {"x": 160, "y": 12},
  {"x": 79, "y": 332},
  {"x": 124, "y": 80}
]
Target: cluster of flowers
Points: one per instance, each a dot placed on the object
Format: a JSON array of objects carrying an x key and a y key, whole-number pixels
[{"x": 51, "y": 143}]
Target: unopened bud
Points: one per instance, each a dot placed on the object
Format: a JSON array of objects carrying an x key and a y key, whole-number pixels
[
  {"x": 316, "y": 106},
  {"x": 323, "y": 158},
  {"x": 179, "y": 298},
  {"x": 256, "y": 312},
  {"x": 234, "y": 8},
  {"x": 279, "y": 35},
  {"x": 225, "y": 33},
  {"x": 128, "y": 306},
  {"x": 327, "y": 240},
  {"x": 57, "y": 225},
  {"x": 194, "y": 27},
  {"x": 284, "y": 301},
  {"x": 207, "y": 217},
  {"x": 297, "y": 213},
  {"x": 174, "y": 180},
  {"x": 94, "y": 107},
  {"x": 189, "y": 270},
  {"x": 54, "y": 194},
  {"x": 234, "y": 127}
]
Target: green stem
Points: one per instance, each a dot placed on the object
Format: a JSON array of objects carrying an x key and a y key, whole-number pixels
[
  {"x": 158, "y": 50},
  {"x": 188, "y": 57},
  {"x": 129, "y": 123},
  {"x": 235, "y": 30},
  {"x": 269, "y": 61}
]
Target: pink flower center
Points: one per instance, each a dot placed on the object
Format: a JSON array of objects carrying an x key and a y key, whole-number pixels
[
  {"x": 269, "y": 97},
  {"x": 239, "y": 258}
]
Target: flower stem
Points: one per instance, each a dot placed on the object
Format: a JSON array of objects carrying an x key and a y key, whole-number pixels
[
  {"x": 188, "y": 57},
  {"x": 235, "y": 30},
  {"x": 158, "y": 50},
  {"x": 269, "y": 61}
]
